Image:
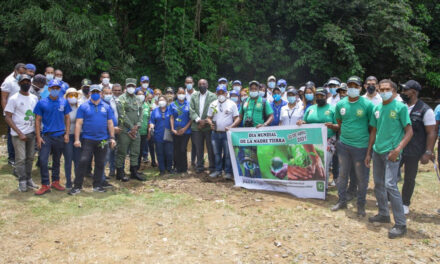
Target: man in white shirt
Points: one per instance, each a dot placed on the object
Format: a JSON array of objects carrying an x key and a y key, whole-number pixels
[
  {"x": 20, "y": 117},
  {"x": 221, "y": 114},
  {"x": 105, "y": 80},
  {"x": 333, "y": 84},
  {"x": 189, "y": 91},
  {"x": 371, "y": 85}
]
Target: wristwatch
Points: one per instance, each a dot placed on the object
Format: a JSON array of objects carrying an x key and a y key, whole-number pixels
[{"x": 428, "y": 152}]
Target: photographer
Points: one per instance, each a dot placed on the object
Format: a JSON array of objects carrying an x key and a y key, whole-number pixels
[{"x": 253, "y": 112}]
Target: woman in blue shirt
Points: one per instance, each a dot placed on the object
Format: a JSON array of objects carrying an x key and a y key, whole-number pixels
[
  {"x": 181, "y": 128},
  {"x": 159, "y": 129},
  {"x": 276, "y": 105}
]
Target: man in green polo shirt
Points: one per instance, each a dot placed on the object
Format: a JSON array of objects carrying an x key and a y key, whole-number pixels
[
  {"x": 255, "y": 111},
  {"x": 353, "y": 115},
  {"x": 390, "y": 133}
]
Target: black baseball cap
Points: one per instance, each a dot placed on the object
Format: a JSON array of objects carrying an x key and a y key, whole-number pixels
[
  {"x": 310, "y": 84},
  {"x": 321, "y": 91},
  {"x": 411, "y": 84},
  {"x": 355, "y": 79}
]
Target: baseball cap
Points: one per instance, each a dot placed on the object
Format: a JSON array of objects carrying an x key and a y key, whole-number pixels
[
  {"x": 411, "y": 84},
  {"x": 24, "y": 77},
  {"x": 39, "y": 78},
  {"x": 271, "y": 78},
  {"x": 221, "y": 88},
  {"x": 145, "y": 79},
  {"x": 292, "y": 91},
  {"x": 309, "y": 84},
  {"x": 31, "y": 66},
  {"x": 354, "y": 79},
  {"x": 86, "y": 82},
  {"x": 254, "y": 82},
  {"x": 281, "y": 82},
  {"x": 321, "y": 91},
  {"x": 233, "y": 92},
  {"x": 302, "y": 88},
  {"x": 222, "y": 79},
  {"x": 130, "y": 81},
  {"x": 169, "y": 90},
  {"x": 95, "y": 87},
  {"x": 335, "y": 82},
  {"x": 236, "y": 82},
  {"x": 54, "y": 83},
  {"x": 342, "y": 87}
]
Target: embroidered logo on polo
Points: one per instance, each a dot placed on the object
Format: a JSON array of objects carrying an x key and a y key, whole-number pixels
[
  {"x": 359, "y": 112},
  {"x": 103, "y": 109},
  {"x": 377, "y": 114},
  {"x": 393, "y": 114},
  {"x": 327, "y": 112},
  {"x": 342, "y": 111}
]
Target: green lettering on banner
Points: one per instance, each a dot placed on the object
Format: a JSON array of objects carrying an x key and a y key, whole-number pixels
[{"x": 279, "y": 137}]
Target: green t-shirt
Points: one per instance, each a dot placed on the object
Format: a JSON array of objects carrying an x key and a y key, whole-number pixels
[
  {"x": 255, "y": 110},
  {"x": 390, "y": 121},
  {"x": 143, "y": 130},
  {"x": 324, "y": 114},
  {"x": 355, "y": 118}
]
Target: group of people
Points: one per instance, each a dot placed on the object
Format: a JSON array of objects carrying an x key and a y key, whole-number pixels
[{"x": 102, "y": 123}]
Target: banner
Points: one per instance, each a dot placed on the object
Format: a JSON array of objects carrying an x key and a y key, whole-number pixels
[{"x": 287, "y": 159}]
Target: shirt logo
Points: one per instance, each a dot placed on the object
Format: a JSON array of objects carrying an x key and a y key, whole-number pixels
[
  {"x": 359, "y": 112},
  {"x": 342, "y": 111},
  {"x": 327, "y": 112},
  {"x": 258, "y": 105},
  {"x": 393, "y": 114},
  {"x": 310, "y": 111},
  {"x": 61, "y": 108},
  {"x": 103, "y": 109},
  {"x": 376, "y": 114}
]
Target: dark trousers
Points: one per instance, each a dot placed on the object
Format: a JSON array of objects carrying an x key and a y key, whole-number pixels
[
  {"x": 149, "y": 145},
  {"x": 411, "y": 166},
  {"x": 164, "y": 151},
  {"x": 200, "y": 138},
  {"x": 11, "y": 151},
  {"x": 193, "y": 153},
  {"x": 144, "y": 145},
  {"x": 180, "y": 152},
  {"x": 71, "y": 154},
  {"x": 54, "y": 145},
  {"x": 335, "y": 165},
  {"x": 90, "y": 149}
]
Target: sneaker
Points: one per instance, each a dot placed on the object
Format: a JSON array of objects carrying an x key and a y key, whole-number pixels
[
  {"x": 361, "y": 211},
  {"x": 339, "y": 206},
  {"x": 12, "y": 163},
  {"x": 405, "y": 209},
  {"x": 22, "y": 186},
  {"x": 107, "y": 185},
  {"x": 379, "y": 219},
  {"x": 397, "y": 231},
  {"x": 99, "y": 189},
  {"x": 215, "y": 174},
  {"x": 31, "y": 184},
  {"x": 43, "y": 189},
  {"x": 228, "y": 176},
  {"x": 57, "y": 186},
  {"x": 74, "y": 191}
]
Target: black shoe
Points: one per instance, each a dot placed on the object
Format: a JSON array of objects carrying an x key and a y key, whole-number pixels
[
  {"x": 112, "y": 174},
  {"x": 397, "y": 231},
  {"x": 74, "y": 191},
  {"x": 134, "y": 174},
  {"x": 350, "y": 196},
  {"x": 153, "y": 164},
  {"x": 99, "y": 189},
  {"x": 120, "y": 175},
  {"x": 379, "y": 219},
  {"x": 107, "y": 185},
  {"x": 339, "y": 206},
  {"x": 361, "y": 211},
  {"x": 162, "y": 173}
]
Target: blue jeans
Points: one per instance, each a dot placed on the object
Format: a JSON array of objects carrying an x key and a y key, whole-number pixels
[
  {"x": 352, "y": 157},
  {"x": 164, "y": 152},
  {"x": 71, "y": 153},
  {"x": 219, "y": 147},
  {"x": 56, "y": 146},
  {"x": 385, "y": 187}
]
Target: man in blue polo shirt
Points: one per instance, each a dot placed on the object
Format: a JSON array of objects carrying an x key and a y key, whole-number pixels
[
  {"x": 53, "y": 111},
  {"x": 95, "y": 118}
]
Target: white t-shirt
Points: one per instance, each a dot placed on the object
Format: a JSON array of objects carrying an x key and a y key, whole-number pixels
[
  {"x": 188, "y": 96},
  {"x": 428, "y": 118},
  {"x": 223, "y": 113},
  {"x": 291, "y": 116},
  {"x": 376, "y": 100},
  {"x": 22, "y": 109},
  {"x": 10, "y": 85},
  {"x": 333, "y": 100},
  {"x": 109, "y": 85}
]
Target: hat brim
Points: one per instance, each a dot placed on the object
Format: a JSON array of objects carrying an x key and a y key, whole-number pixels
[{"x": 356, "y": 82}]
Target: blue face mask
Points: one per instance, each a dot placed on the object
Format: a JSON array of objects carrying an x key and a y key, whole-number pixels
[
  {"x": 282, "y": 89},
  {"x": 386, "y": 95},
  {"x": 189, "y": 86},
  {"x": 95, "y": 96},
  {"x": 237, "y": 88},
  {"x": 333, "y": 91},
  {"x": 353, "y": 92},
  {"x": 254, "y": 94},
  {"x": 276, "y": 97},
  {"x": 309, "y": 97},
  {"x": 271, "y": 85},
  {"x": 291, "y": 99},
  {"x": 54, "y": 93},
  {"x": 108, "y": 97},
  {"x": 234, "y": 99},
  {"x": 261, "y": 93}
]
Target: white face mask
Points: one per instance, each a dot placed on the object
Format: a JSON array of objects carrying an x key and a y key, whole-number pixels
[
  {"x": 105, "y": 81},
  {"x": 181, "y": 97},
  {"x": 59, "y": 78},
  {"x": 221, "y": 98},
  {"x": 130, "y": 90},
  {"x": 145, "y": 85},
  {"x": 140, "y": 97},
  {"x": 189, "y": 86},
  {"x": 49, "y": 77},
  {"x": 72, "y": 100},
  {"x": 162, "y": 103}
]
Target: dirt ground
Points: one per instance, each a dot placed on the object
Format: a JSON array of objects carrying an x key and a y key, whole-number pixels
[{"x": 190, "y": 219}]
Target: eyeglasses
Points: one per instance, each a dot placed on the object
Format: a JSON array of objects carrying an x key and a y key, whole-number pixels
[{"x": 71, "y": 95}]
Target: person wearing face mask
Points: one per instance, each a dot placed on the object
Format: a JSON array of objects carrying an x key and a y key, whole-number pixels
[
  {"x": 159, "y": 123},
  {"x": 243, "y": 95},
  {"x": 49, "y": 73},
  {"x": 293, "y": 111},
  {"x": 201, "y": 131},
  {"x": 58, "y": 75},
  {"x": 71, "y": 153},
  {"x": 271, "y": 83},
  {"x": 52, "y": 115},
  {"x": 353, "y": 115},
  {"x": 282, "y": 85},
  {"x": 19, "y": 117},
  {"x": 108, "y": 98},
  {"x": 276, "y": 105},
  {"x": 94, "y": 134},
  {"x": 309, "y": 97},
  {"x": 31, "y": 69},
  {"x": 421, "y": 146},
  {"x": 342, "y": 91},
  {"x": 37, "y": 86},
  {"x": 254, "y": 113},
  {"x": 233, "y": 95},
  {"x": 143, "y": 130},
  {"x": 336, "y": 94},
  {"x": 180, "y": 122},
  {"x": 145, "y": 84},
  {"x": 169, "y": 94},
  {"x": 155, "y": 101},
  {"x": 333, "y": 85},
  {"x": 189, "y": 87},
  {"x": 390, "y": 132},
  {"x": 148, "y": 105},
  {"x": 129, "y": 120},
  {"x": 221, "y": 115},
  {"x": 323, "y": 113},
  {"x": 371, "y": 86},
  {"x": 85, "y": 88},
  {"x": 105, "y": 80},
  {"x": 223, "y": 82},
  {"x": 236, "y": 86}
]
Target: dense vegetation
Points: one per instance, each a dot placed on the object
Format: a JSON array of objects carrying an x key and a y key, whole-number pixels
[{"x": 168, "y": 39}]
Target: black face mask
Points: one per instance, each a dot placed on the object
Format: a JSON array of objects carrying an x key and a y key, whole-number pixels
[
  {"x": 86, "y": 90},
  {"x": 371, "y": 89},
  {"x": 405, "y": 98},
  {"x": 321, "y": 102},
  {"x": 203, "y": 89},
  {"x": 25, "y": 87}
]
